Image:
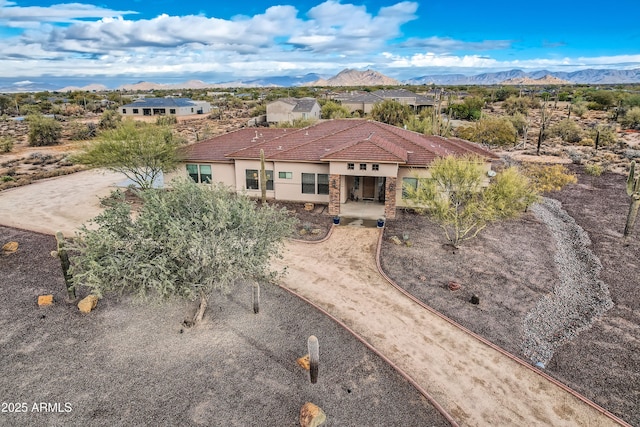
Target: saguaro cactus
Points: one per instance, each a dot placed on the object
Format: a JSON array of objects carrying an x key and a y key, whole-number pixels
[
  {"x": 263, "y": 178},
  {"x": 256, "y": 297},
  {"x": 314, "y": 358},
  {"x": 61, "y": 253},
  {"x": 633, "y": 191}
]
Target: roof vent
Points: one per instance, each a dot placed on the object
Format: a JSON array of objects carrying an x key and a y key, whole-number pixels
[{"x": 279, "y": 147}]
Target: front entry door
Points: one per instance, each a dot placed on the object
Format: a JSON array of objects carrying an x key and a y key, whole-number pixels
[{"x": 369, "y": 188}]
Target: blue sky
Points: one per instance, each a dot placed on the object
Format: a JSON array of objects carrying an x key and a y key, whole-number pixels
[{"x": 162, "y": 40}]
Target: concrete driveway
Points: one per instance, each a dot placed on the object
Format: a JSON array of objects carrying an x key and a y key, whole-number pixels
[{"x": 62, "y": 203}]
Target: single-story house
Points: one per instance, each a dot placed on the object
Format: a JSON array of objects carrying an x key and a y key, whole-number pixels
[
  {"x": 334, "y": 162},
  {"x": 289, "y": 109},
  {"x": 364, "y": 101},
  {"x": 165, "y": 106}
]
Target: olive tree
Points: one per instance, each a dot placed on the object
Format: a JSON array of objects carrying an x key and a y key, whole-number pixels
[
  {"x": 140, "y": 151},
  {"x": 185, "y": 242},
  {"x": 456, "y": 198}
]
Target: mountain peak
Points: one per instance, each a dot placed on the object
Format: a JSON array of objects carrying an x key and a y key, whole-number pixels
[{"x": 351, "y": 77}]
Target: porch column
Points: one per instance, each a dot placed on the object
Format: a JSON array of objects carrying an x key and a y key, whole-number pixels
[
  {"x": 334, "y": 194},
  {"x": 390, "y": 197}
]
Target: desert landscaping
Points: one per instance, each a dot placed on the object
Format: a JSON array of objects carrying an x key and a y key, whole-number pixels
[{"x": 547, "y": 302}]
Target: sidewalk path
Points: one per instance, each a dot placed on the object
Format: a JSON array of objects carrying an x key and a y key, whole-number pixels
[{"x": 476, "y": 384}]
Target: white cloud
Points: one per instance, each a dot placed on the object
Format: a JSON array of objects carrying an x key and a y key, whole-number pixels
[{"x": 18, "y": 16}]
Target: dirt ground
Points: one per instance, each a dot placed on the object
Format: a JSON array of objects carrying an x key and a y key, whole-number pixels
[
  {"x": 510, "y": 267},
  {"x": 132, "y": 364}
]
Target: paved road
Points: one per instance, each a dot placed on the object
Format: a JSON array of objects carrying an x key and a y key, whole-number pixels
[{"x": 476, "y": 384}]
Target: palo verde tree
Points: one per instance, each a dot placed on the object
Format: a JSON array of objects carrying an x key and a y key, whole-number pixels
[
  {"x": 455, "y": 197},
  {"x": 186, "y": 242},
  {"x": 140, "y": 151}
]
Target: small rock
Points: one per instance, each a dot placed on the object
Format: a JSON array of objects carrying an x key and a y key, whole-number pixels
[
  {"x": 10, "y": 247},
  {"x": 44, "y": 300},
  {"x": 302, "y": 232},
  {"x": 304, "y": 362},
  {"x": 316, "y": 231},
  {"x": 454, "y": 286},
  {"x": 88, "y": 303},
  {"x": 409, "y": 243},
  {"x": 475, "y": 299},
  {"x": 308, "y": 206},
  {"x": 311, "y": 415},
  {"x": 423, "y": 278},
  {"x": 396, "y": 240}
]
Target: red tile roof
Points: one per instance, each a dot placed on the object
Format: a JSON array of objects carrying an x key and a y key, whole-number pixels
[{"x": 345, "y": 139}]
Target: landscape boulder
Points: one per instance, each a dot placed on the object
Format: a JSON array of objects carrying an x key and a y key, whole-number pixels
[
  {"x": 304, "y": 362},
  {"x": 311, "y": 415},
  {"x": 88, "y": 303},
  {"x": 10, "y": 247},
  {"x": 44, "y": 300}
]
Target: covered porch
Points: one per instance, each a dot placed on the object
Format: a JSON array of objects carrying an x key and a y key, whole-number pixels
[{"x": 362, "y": 209}]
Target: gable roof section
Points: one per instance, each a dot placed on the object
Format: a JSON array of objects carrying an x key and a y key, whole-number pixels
[
  {"x": 215, "y": 149},
  {"x": 344, "y": 140},
  {"x": 305, "y": 105}
]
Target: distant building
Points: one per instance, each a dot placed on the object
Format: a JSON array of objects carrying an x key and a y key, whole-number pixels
[
  {"x": 165, "y": 106},
  {"x": 290, "y": 109},
  {"x": 364, "y": 101}
]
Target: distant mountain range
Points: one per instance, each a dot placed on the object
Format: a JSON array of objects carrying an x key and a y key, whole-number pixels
[{"x": 349, "y": 77}]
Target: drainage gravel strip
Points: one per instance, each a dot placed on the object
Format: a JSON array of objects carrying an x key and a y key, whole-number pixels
[{"x": 577, "y": 299}]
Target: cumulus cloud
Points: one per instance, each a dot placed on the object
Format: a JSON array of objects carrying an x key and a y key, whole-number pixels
[{"x": 27, "y": 16}]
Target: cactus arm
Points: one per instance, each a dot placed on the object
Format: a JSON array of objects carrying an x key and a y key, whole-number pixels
[
  {"x": 631, "y": 216},
  {"x": 61, "y": 253},
  {"x": 633, "y": 185}
]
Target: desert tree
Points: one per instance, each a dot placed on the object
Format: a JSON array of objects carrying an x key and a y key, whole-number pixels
[
  {"x": 334, "y": 110},
  {"x": 456, "y": 198},
  {"x": 490, "y": 130},
  {"x": 140, "y": 151},
  {"x": 43, "y": 130},
  {"x": 567, "y": 130},
  {"x": 631, "y": 119},
  {"x": 110, "y": 119},
  {"x": 186, "y": 242},
  {"x": 391, "y": 112}
]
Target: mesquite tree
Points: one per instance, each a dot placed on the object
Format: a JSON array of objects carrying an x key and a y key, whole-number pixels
[{"x": 185, "y": 242}]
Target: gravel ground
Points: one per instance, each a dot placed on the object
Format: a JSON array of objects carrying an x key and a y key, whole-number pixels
[
  {"x": 578, "y": 298},
  {"x": 128, "y": 364}
]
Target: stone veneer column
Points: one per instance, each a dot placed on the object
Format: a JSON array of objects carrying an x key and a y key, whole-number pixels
[
  {"x": 334, "y": 194},
  {"x": 390, "y": 197}
]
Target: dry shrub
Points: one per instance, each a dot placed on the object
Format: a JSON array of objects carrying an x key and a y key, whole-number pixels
[{"x": 547, "y": 178}]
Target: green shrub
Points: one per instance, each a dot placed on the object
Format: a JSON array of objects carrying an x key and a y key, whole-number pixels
[
  {"x": 166, "y": 120},
  {"x": 594, "y": 169},
  {"x": 43, "y": 131},
  {"x": 6, "y": 144}
]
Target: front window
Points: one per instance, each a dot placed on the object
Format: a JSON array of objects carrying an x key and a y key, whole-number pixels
[
  {"x": 124, "y": 111},
  {"x": 375, "y": 167},
  {"x": 323, "y": 183},
  {"x": 172, "y": 110},
  {"x": 135, "y": 111},
  {"x": 350, "y": 166},
  {"x": 269, "y": 180},
  {"x": 200, "y": 173},
  {"x": 285, "y": 175},
  {"x": 252, "y": 179},
  {"x": 308, "y": 183},
  {"x": 363, "y": 166},
  {"x": 408, "y": 183}
]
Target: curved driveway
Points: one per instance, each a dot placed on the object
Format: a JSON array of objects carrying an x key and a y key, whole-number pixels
[{"x": 476, "y": 384}]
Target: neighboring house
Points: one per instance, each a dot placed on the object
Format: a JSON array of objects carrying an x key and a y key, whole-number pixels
[
  {"x": 337, "y": 162},
  {"x": 165, "y": 106},
  {"x": 364, "y": 101},
  {"x": 289, "y": 109}
]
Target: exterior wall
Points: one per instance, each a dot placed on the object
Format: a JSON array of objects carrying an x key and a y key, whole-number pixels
[
  {"x": 241, "y": 178},
  {"x": 203, "y": 107},
  {"x": 128, "y": 110},
  {"x": 404, "y": 172},
  {"x": 353, "y": 106},
  {"x": 291, "y": 189},
  {"x": 279, "y": 111},
  {"x": 384, "y": 169},
  {"x": 221, "y": 172}
]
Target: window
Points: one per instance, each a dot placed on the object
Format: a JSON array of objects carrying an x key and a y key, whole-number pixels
[
  {"x": 200, "y": 173},
  {"x": 252, "y": 179},
  {"x": 285, "y": 175},
  {"x": 363, "y": 166},
  {"x": 309, "y": 183},
  {"x": 172, "y": 110},
  {"x": 135, "y": 111},
  {"x": 192, "y": 110},
  {"x": 323, "y": 183},
  {"x": 269, "y": 180},
  {"x": 124, "y": 111},
  {"x": 350, "y": 166},
  {"x": 408, "y": 183},
  {"x": 375, "y": 167}
]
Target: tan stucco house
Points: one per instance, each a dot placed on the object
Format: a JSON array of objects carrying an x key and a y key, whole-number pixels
[
  {"x": 365, "y": 101},
  {"x": 289, "y": 109},
  {"x": 334, "y": 162},
  {"x": 165, "y": 106}
]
